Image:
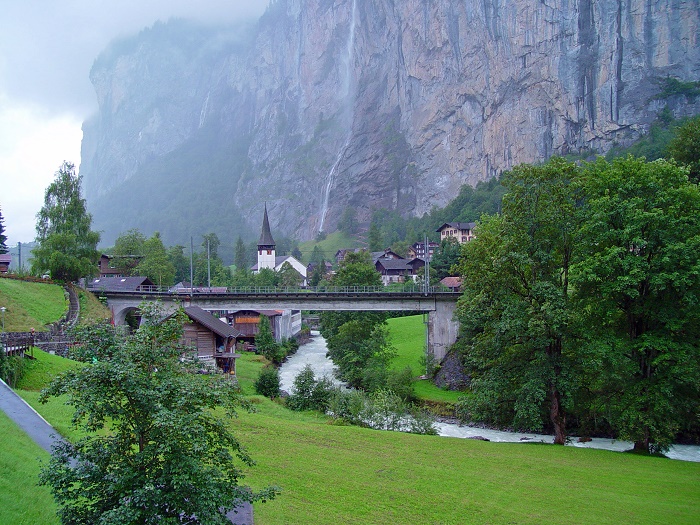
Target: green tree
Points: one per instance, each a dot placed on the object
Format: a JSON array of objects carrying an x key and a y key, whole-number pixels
[
  {"x": 67, "y": 247},
  {"x": 309, "y": 393},
  {"x": 240, "y": 259},
  {"x": 317, "y": 255},
  {"x": 128, "y": 251},
  {"x": 445, "y": 258},
  {"x": 288, "y": 277},
  {"x": 181, "y": 263},
  {"x": 268, "y": 382},
  {"x": 156, "y": 264},
  {"x": 685, "y": 147},
  {"x": 515, "y": 312},
  {"x": 266, "y": 278},
  {"x": 639, "y": 284},
  {"x": 374, "y": 237},
  {"x": 150, "y": 454},
  {"x": 3, "y": 237},
  {"x": 265, "y": 342},
  {"x": 348, "y": 221},
  {"x": 355, "y": 270},
  {"x": 361, "y": 352}
]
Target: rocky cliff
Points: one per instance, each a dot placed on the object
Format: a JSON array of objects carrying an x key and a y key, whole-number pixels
[{"x": 325, "y": 104}]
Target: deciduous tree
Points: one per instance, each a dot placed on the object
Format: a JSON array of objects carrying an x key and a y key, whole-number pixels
[
  {"x": 639, "y": 284},
  {"x": 67, "y": 247},
  {"x": 155, "y": 450},
  {"x": 515, "y": 310}
]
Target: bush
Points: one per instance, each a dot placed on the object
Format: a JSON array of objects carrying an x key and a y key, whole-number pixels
[
  {"x": 12, "y": 368},
  {"x": 268, "y": 382},
  {"x": 310, "y": 394}
]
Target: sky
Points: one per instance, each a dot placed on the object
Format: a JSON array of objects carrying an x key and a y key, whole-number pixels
[{"x": 46, "y": 50}]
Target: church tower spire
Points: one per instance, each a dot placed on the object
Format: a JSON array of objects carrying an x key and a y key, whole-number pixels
[{"x": 266, "y": 245}]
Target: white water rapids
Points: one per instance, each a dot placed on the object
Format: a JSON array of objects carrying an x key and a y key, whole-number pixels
[{"x": 314, "y": 353}]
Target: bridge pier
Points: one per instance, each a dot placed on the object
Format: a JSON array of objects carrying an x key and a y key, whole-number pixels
[{"x": 443, "y": 328}]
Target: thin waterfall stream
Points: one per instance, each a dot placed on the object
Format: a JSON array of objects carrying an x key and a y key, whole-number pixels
[
  {"x": 314, "y": 352},
  {"x": 347, "y": 110}
]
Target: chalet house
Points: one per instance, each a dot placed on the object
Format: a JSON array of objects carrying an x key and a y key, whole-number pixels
[
  {"x": 460, "y": 231},
  {"x": 119, "y": 284},
  {"x": 267, "y": 258},
  {"x": 386, "y": 254},
  {"x": 211, "y": 337},
  {"x": 5, "y": 260},
  {"x": 340, "y": 254},
  {"x": 454, "y": 284},
  {"x": 399, "y": 270},
  {"x": 284, "y": 323},
  {"x": 327, "y": 269},
  {"x": 106, "y": 264},
  {"x": 417, "y": 250}
]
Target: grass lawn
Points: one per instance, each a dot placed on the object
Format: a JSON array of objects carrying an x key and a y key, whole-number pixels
[
  {"x": 31, "y": 305},
  {"x": 22, "y": 501},
  {"x": 350, "y": 475},
  {"x": 408, "y": 337}
]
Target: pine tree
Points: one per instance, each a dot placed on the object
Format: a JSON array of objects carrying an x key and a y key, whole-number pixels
[{"x": 3, "y": 237}]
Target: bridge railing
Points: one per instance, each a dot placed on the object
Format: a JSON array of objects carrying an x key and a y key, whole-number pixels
[{"x": 411, "y": 289}]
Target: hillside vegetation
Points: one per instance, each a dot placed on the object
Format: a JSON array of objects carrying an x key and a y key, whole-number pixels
[
  {"x": 341, "y": 474},
  {"x": 31, "y": 305}
]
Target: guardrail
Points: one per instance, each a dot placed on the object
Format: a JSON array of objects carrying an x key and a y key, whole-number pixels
[{"x": 273, "y": 290}]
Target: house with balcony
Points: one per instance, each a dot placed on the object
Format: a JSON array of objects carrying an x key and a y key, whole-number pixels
[{"x": 460, "y": 231}]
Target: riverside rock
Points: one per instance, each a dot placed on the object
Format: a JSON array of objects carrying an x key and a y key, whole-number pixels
[{"x": 325, "y": 104}]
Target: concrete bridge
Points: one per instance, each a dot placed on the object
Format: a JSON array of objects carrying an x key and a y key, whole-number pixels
[{"x": 439, "y": 304}]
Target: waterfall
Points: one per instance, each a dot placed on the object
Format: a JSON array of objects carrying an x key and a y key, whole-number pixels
[
  {"x": 347, "y": 102},
  {"x": 203, "y": 112}
]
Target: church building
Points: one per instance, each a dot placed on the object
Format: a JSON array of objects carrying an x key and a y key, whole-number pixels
[{"x": 267, "y": 258}]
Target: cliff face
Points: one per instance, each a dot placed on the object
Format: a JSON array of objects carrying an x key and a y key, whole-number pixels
[{"x": 381, "y": 103}]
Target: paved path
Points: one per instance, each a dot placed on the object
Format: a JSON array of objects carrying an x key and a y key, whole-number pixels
[
  {"x": 27, "y": 418},
  {"x": 44, "y": 434}
]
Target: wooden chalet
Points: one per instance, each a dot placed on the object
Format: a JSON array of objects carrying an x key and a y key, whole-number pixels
[
  {"x": 5, "y": 260},
  {"x": 246, "y": 323},
  {"x": 107, "y": 267},
  {"x": 398, "y": 270},
  {"x": 211, "y": 337}
]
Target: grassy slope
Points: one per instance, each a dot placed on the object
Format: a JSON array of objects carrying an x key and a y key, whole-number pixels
[
  {"x": 337, "y": 474},
  {"x": 31, "y": 305},
  {"x": 329, "y": 246},
  {"x": 91, "y": 309},
  {"x": 408, "y": 337},
  {"x": 22, "y": 502}
]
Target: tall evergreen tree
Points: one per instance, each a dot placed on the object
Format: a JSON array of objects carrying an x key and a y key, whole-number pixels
[
  {"x": 3, "y": 237},
  {"x": 240, "y": 259}
]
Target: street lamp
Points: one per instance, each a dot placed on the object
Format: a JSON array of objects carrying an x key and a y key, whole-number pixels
[{"x": 2, "y": 309}]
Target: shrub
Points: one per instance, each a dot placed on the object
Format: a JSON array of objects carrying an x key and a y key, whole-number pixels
[
  {"x": 268, "y": 382},
  {"x": 12, "y": 368},
  {"x": 308, "y": 393}
]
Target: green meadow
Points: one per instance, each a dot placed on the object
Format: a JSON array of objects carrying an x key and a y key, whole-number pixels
[{"x": 330, "y": 473}]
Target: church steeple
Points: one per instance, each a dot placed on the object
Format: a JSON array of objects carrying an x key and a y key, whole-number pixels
[
  {"x": 266, "y": 246},
  {"x": 266, "y": 239}
]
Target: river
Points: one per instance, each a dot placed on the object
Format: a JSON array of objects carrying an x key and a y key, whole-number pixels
[{"x": 314, "y": 353}]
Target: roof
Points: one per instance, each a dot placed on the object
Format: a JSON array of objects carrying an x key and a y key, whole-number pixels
[
  {"x": 268, "y": 313},
  {"x": 208, "y": 320},
  {"x": 394, "y": 264},
  {"x": 451, "y": 282},
  {"x": 458, "y": 225},
  {"x": 266, "y": 235},
  {"x": 119, "y": 284},
  {"x": 279, "y": 260}
]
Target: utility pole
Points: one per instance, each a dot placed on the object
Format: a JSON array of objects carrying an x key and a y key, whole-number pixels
[
  {"x": 208, "y": 266},
  {"x": 191, "y": 267}
]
